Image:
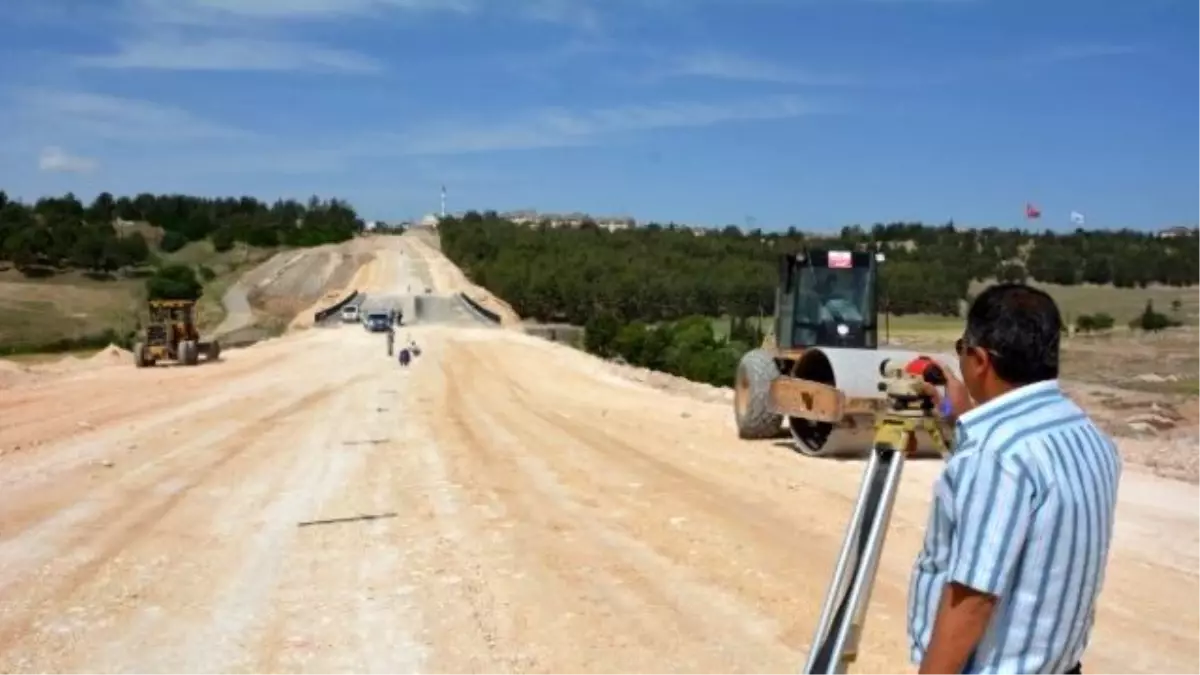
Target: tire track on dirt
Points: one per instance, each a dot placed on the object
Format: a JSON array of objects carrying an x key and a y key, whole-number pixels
[
  {"x": 112, "y": 534},
  {"x": 317, "y": 466},
  {"x": 591, "y": 433},
  {"x": 37, "y": 486},
  {"x": 570, "y": 541},
  {"x": 192, "y": 611},
  {"x": 321, "y": 556},
  {"x": 65, "y": 400},
  {"x": 679, "y": 524}
]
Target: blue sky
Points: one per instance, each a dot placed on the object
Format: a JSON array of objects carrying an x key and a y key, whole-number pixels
[{"x": 815, "y": 113}]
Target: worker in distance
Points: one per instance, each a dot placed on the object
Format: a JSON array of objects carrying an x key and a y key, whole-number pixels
[{"x": 1018, "y": 536}]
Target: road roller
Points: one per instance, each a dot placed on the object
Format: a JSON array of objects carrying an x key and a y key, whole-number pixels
[{"x": 817, "y": 371}]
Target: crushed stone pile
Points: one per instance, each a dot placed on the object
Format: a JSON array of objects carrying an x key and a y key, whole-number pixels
[
  {"x": 66, "y": 364},
  {"x": 111, "y": 355}
]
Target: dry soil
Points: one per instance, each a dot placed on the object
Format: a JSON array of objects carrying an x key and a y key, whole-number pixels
[{"x": 505, "y": 504}]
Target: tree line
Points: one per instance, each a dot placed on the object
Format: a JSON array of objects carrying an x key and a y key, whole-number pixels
[
  {"x": 663, "y": 273},
  {"x": 648, "y": 295},
  {"x": 59, "y": 233}
]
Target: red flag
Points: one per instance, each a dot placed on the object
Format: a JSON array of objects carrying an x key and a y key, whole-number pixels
[
  {"x": 840, "y": 260},
  {"x": 1031, "y": 211}
]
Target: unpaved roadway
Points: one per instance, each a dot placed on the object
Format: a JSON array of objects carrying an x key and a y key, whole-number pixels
[{"x": 535, "y": 512}]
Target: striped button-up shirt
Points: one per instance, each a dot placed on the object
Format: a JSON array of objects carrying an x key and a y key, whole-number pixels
[{"x": 1023, "y": 511}]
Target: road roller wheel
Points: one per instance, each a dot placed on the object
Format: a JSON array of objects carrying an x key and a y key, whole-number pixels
[{"x": 751, "y": 396}]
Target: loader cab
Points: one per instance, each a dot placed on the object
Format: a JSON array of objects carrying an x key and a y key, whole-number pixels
[
  {"x": 171, "y": 322},
  {"x": 827, "y": 299}
]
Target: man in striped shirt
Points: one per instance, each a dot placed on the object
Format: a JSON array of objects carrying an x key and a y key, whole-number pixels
[{"x": 1022, "y": 515}]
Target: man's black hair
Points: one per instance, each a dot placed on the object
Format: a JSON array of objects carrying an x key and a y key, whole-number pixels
[{"x": 1021, "y": 327}]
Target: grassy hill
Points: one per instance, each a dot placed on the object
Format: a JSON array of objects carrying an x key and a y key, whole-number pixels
[{"x": 72, "y": 309}]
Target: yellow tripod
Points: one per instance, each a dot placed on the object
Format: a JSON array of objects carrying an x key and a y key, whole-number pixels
[{"x": 835, "y": 644}]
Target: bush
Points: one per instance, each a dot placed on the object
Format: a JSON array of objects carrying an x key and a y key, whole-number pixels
[
  {"x": 687, "y": 348},
  {"x": 222, "y": 239},
  {"x": 1088, "y": 323},
  {"x": 174, "y": 282},
  {"x": 1150, "y": 320},
  {"x": 172, "y": 241},
  {"x": 1012, "y": 272},
  {"x": 206, "y": 273}
]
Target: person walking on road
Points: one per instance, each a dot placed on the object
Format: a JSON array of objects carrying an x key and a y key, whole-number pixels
[{"x": 1019, "y": 531}]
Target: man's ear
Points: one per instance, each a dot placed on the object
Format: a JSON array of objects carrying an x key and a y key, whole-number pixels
[
  {"x": 982, "y": 361},
  {"x": 974, "y": 365}
]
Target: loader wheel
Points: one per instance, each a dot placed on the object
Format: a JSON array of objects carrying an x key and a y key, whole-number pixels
[
  {"x": 751, "y": 394},
  {"x": 188, "y": 353},
  {"x": 139, "y": 356},
  {"x": 214, "y": 350}
]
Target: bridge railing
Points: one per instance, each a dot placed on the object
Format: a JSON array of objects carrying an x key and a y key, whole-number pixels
[
  {"x": 330, "y": 311},
  {"x": 480, "y": 309}
]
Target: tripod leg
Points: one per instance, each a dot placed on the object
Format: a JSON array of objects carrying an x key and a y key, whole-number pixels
[
  {"x": 852, "y": 545},
  {"x": 836, "y": 644},
  {"x": 849, "y": 632}
]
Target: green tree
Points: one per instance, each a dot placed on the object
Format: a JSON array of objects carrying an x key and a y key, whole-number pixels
[
  {"x": 174, "y": 282},
  {"x": 172, "y": 241},
  {"x": 1150, "y": 320},
  {"x": 600, "y": 332}
]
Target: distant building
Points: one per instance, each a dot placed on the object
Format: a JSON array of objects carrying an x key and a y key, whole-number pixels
[
  {"x": 430, "y": 221},
  {"x": 1172, "y": 232},
  {"x": 575, "y": 219}
]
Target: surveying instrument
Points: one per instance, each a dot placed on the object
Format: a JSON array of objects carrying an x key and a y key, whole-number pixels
[{"x": 907, "y": 410}]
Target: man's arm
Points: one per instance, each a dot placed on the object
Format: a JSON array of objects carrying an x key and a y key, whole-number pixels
[
  {"x": 962, "y": 618},
  {"x": 993, "y": 520}
]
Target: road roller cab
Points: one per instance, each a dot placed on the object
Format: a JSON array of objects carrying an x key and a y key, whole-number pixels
[
  {"x": 826, "y": 299},
  {"x": 819, "y": 366}
]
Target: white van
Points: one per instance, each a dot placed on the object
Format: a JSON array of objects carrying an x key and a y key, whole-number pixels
[{"x": 350, "y": 314}]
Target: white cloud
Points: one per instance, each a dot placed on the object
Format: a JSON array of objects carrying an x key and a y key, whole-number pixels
[
  {"x": 210, "y": 12},
  {"x": 243, "y": 54},
  {"x": 1077, "y": 52},
  {"x": 561, "y": 128},
  {"x": 102, "y": 117},
  {"x": 717, "y": 65},
  {"x": 549, "y": 128},
  {"x": 55, "y": 159}
]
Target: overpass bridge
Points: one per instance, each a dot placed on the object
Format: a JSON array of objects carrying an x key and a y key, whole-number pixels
[{"x": 420, "y": 309}]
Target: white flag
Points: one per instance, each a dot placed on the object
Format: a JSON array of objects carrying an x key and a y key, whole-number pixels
[{"x": 1076, "y": 217}]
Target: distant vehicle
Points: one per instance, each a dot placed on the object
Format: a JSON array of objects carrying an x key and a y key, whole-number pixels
[
  {"x": 350, "y": 314},
  {"x": 377, "y": 322}
]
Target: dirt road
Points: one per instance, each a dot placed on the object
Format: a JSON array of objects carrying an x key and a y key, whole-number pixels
[{"x": 534, "y": 512}]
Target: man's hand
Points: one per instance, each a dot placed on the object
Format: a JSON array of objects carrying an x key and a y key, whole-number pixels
[{"x": 956, "y": 393}]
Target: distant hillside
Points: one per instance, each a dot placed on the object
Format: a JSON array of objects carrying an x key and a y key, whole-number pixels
[
  {"x": 657, "y": 273},
  {"x": 75, "y": 275}
]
